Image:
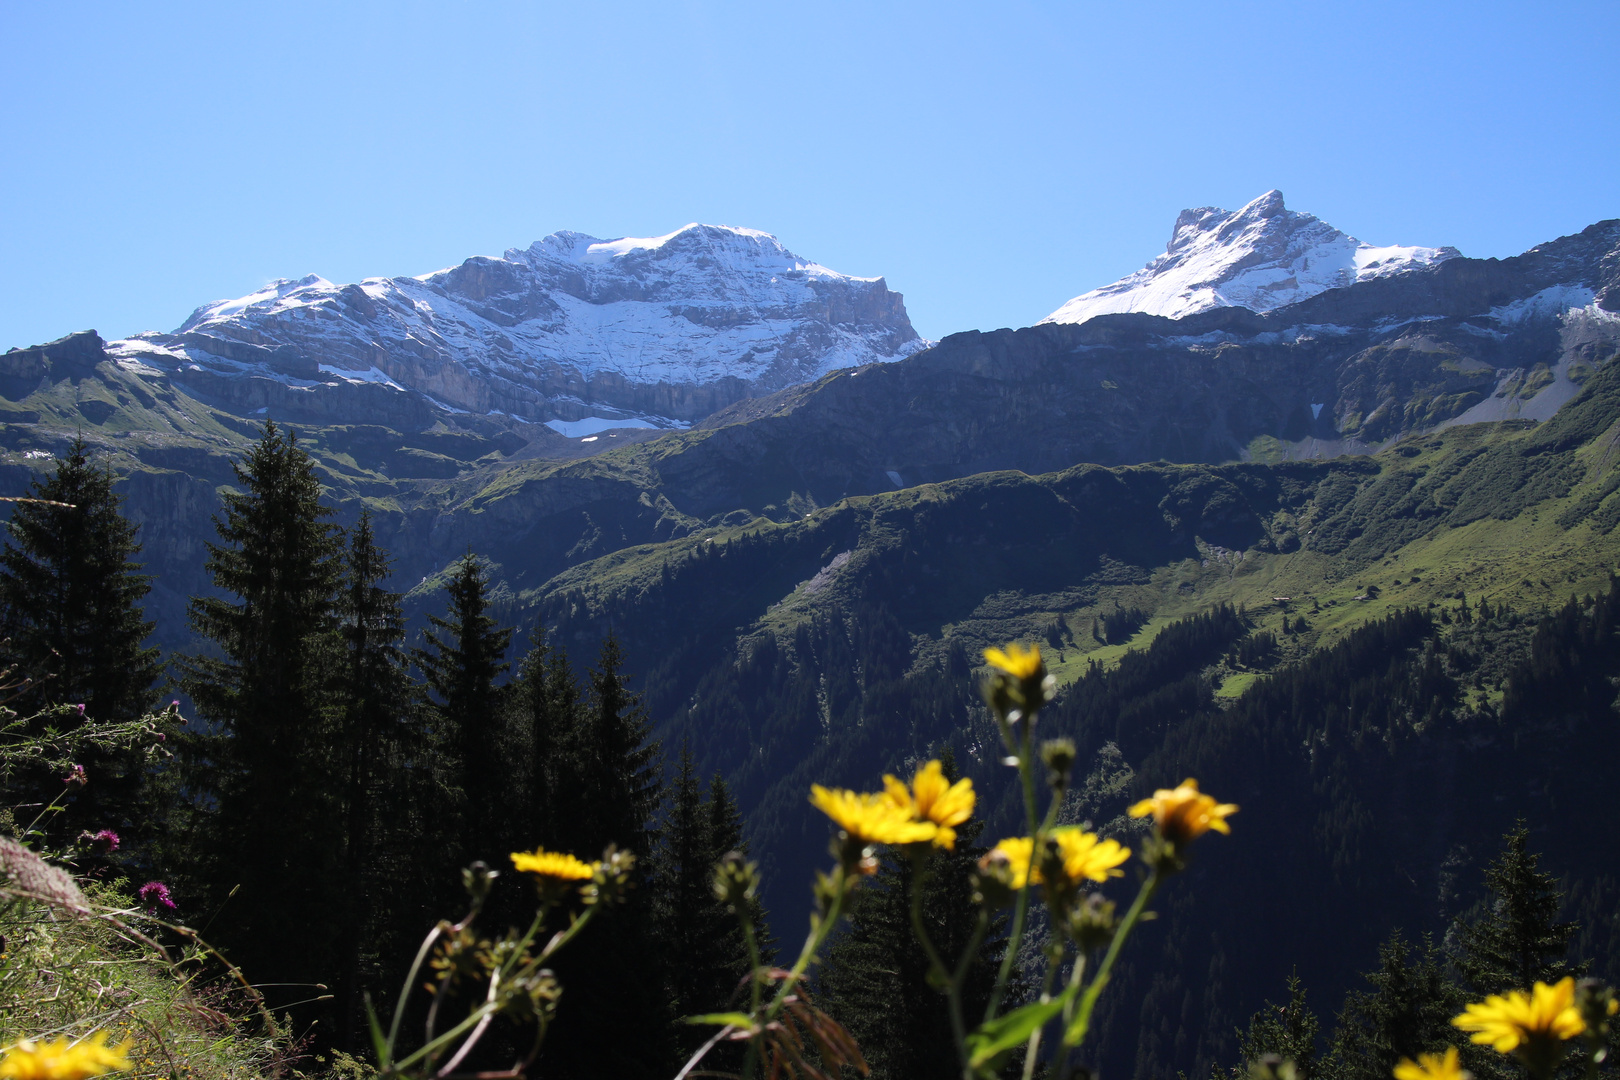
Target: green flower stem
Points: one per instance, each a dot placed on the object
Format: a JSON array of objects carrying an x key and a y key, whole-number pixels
[
  {"x": 751, "y": 1057},
  {"x": 958, "y": 979},
  {"x": 936, "y": 965},
  {"x": 484, "y": 1012},
  {"x": 1032, "y": 1051},
  {"x": 404, "y": 995},
  {"x": 1076, "y": 1032},
  {"x": 1021, "y": 906}
]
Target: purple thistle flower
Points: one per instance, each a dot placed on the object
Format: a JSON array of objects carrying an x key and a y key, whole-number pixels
[
  {"x": 77, "y": 776},
  {"x": 81, "y": 708},
  {"x": 108, "y": 837},
  {"x": 155, "y": 894}
]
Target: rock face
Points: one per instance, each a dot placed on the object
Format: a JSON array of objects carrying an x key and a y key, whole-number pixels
[
  {"x": 658, "y": 332},
  {"x": 1261, "y": 257}
]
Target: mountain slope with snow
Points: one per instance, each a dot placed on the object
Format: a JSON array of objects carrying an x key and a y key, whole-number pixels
[
  {"x": 1261, "y": 257},
  {"x": 668, "y": 327}
]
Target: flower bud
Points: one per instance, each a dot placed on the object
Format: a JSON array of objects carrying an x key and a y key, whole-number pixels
[
  {"x": 993, "y": 880},
  {"x": 736, "y": 881},
  {"x": 477, "y": 879},
  {"x": 610, "y": 878},
  {"x": 1059, "y": 755},
  {"x": 1092, "y": 922}
]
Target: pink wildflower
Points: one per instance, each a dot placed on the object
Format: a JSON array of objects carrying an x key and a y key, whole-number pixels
[
  {"x": 77, "y": 776},
  {"x": 155, "y": 894},
  {"x": 108, "y": 837}
]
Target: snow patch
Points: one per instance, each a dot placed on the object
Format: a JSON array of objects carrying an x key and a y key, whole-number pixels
[
  {"x": 594, "y": 425},
  {"x": 1551, "y": 301}
]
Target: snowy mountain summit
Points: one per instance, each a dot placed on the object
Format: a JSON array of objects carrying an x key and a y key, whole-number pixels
[
  {"x": 1261, "y": 257},
  {"x": 659, "y": 330}
]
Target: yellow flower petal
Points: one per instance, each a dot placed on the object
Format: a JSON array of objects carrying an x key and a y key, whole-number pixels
[
  {"x": 1088, "y": 857},
  {"x": 1184, "y": 813},
  {"x": 552, "y": 864},
  {"x": 931, "y": 797},
  {"x": 871, "y": 819},
  {"x": 1019, "y": 661},
  {"x": 1432, "y": 1067},
  {"x": 1505, "y": 1022},
  {"x": 61, "y": 1060}
]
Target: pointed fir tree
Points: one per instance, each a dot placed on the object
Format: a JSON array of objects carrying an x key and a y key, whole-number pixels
[
  {"x": 1516, "y": 940},
  {"x": 1407, "y": 1012},
  {"x": 545, "y": 718},
  {"x": 71, "y": 593},
  {"x": 462, "y": 663},
  {"x": 614, "y": 975},
  {"x": 377, "y": 740},
  {"x": 267, "y": 773},
  {"x": 1288, "y": 1031}
]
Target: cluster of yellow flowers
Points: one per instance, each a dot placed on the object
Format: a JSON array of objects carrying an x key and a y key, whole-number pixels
[
  {"x": 61, "y": 1059},
  {"x": 926, "y": 812}
]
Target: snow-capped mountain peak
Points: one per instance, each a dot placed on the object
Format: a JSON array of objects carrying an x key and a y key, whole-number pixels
[
  {"x": 1262, "y": 257},
  {"x": 667, "y": 327}
]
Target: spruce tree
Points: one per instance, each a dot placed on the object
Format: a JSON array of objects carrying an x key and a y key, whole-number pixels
[
  {"x": 614, "y": 975},
  {"x": 71, "y": 596},
  {"x": 377, "y": 740},
  {"x": 268, "y": 771},
  {"x": 545, "y": 719},
  {"x": 1288, "y": 1031},
  {"x": 1517, "y": 940},
  {"x": 71, "y": 593},
  {"x": 1407, "y": 1012},
  {"x": 463, "y": 661}
]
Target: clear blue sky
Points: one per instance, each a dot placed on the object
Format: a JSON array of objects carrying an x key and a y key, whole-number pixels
[{"x": 990, "y": 160}]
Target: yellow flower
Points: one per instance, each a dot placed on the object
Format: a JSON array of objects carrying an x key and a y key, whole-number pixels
[
  {"x": 931, "y": 797},
  {"x": 59, "y": 1060},
  {"x": 1019, "y": 661},
  {"x": 1184, "y": 813},
  {"x": 870, "y": 819},
  {"x": 1085, "y": 856},
  {"x": 1015, "y": 850},
  {"x": 553, "y": 865},
  {"x": 1432, "y": 1067},
  {"x": 1507, "y": 1022}
]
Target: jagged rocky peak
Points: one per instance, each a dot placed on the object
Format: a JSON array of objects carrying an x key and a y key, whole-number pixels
[
  {"x": 1261, "y": 257},
  {"x": 656, "y": 330}
]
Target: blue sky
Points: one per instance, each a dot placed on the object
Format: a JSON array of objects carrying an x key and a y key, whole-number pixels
[{"x": 990, "y": 160}]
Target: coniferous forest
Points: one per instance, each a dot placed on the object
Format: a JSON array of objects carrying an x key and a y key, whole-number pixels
[{"x": 317, "y": 800}]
